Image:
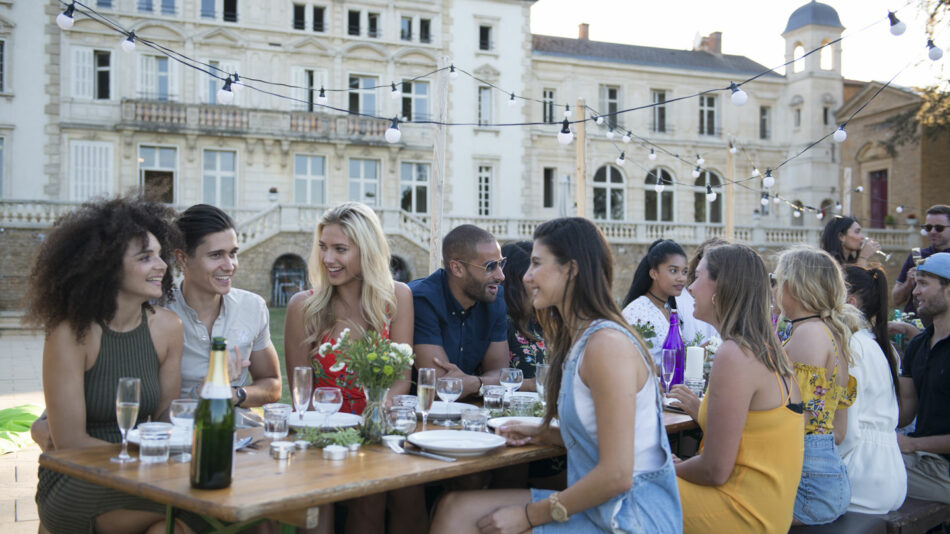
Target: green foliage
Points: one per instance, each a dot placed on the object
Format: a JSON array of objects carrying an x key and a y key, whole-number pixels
[
  {"x": 15, "y": 427},
  {"x": 646, "y": 332},
  {"x": 321, "y": 438}
]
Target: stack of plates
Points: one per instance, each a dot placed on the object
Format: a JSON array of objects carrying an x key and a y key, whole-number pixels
[
  {"x": 316, "y": 420},
  {"x": 445, "y": 410}
]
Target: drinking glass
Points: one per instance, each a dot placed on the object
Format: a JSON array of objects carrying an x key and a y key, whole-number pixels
[
  {"x": 918, "y": 257},
  {"x": 494, "y": 398},
  {"x": 275, "y": 420},
  {"x": 127, "y": 396},
  {"x": 540, "y": 381},
  {"x": 182, "y": 414},
  {"x": 405, "y": 401},
  {"x": 425, "y": 392},
  {"x": 512, "y": 379},
  {"x": 303, "y": 387},
  {"x": 327, "y": 401},
  {"x": 402, "y": 419},
  {"x": 475, "y": 419},
  {"x": 448, "y": 390},
  {"x": 669, "y": 367}
]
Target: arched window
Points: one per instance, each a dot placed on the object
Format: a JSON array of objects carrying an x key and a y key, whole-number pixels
[
  {"x": 797, "y": 52},
  {"x": 658, "y": 205},
  {"x": 609, "y": 194},
  {"x": 705, "y": 211},
  {"x": 826, "y": 61},
  {"x": 288, "y": 276}
]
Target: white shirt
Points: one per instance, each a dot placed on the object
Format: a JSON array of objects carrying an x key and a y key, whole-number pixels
[{"x": 643, "y": 310}]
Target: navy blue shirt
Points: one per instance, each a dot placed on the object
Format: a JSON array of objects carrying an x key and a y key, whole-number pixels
[
  {"x": 464, "y": 333},
  {"x": 930, "y": 370}
]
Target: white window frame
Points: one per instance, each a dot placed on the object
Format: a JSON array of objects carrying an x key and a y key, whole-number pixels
[
  {"x": 659, "y": 113},
  {"x": 203, "y": 13},
  {"x": 414, "y": 184},
  {"x": 91, "y": 169},
  {"x": 405, "y": 35},
  {"x": 218, "y": 175},
  {"x": 483, "y": 190},
  {"x": 609, "y": 188},
  {"x": 418, "y": 102},
  {"x": 149, "y": 77},
  {"x": 610, "y": 106},
  {"x": 313, "y": 184},
  {"x": 84, "y": 73},
  {"x": 155, "y": 7},
  {"x": 708, "y": 115},
  {"x": 362, "y": 180},
  {"x": 699, "y": 195},
  {"x": 156, "y": 166},
  {"x": 548, "y": 106},
  {"x": 307, "y": 82},
  {"x": 669, "y": 192},
  {"x": 548, "y": 187},
  {"x": 364, "y": 92},
  {"x": 491, "y": 37},
  {"x": 484, "y": 105},
  {"x": 765, "y": 122},
  {"x": 313, "y": 19},
  {"x": 293, "y": 16}
]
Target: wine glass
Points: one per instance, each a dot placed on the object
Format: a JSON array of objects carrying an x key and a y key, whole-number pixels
[
  {"x": 303, "y": 386},
  {"x": 182, "y": 414},
  {"x": 327, "y": 401},
  {"x": 127, "y": 396},
  {"x": 669, "y": 367},
  {"x": 540, "y": 381},
  {"x": 425, "y": 392},
  {"x": 448, "y": 390},
  {"x": 511, "y": 378}
]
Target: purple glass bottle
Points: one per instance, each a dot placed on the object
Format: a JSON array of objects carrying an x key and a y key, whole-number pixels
[{"x": 674, "y": 341}]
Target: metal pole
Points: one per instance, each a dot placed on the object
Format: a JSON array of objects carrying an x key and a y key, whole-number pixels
[
  {"x": 438, "y": 166},
  {"x": 846, "y": 193},
  {"x": 581, "y": 156}
]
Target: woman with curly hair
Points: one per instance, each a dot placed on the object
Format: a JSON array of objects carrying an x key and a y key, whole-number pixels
[{"x": 91, "y": 288}]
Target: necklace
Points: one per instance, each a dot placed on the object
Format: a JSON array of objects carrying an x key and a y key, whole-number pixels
[
  {"x": 656, "y": 298},
  {"x": 800, "y": 319}
]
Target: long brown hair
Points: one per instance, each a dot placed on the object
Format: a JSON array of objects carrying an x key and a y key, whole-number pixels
[{"x": 587, "y": 296}]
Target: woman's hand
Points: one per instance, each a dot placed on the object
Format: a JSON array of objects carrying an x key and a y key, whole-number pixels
[
  {"x": 868, "y": 248},
  {"x": 507, "y": 520},
  {"x": 689, "y": 402},
  {"x": 518, "y": 434}
]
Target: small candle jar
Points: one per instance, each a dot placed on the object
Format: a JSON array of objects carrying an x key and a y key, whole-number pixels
[
  {"x": 334, "y": 452},
  {"x": 281, "y": 450}
]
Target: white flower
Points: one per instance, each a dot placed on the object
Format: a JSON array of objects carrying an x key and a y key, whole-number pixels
[
  {"x": 713, "y": 344},
  {"x": 403, "y": 349},
  {"x": 324, "y": 349}
]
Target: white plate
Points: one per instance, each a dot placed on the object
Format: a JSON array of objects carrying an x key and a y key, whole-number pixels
[
  {"x": 180, "y": 437},
  {"x": 460, "y": 443},
  {"x": 442, "y": 410},
  {"x": 496, "y": 422},
  {"x": 312, "y": 419}
]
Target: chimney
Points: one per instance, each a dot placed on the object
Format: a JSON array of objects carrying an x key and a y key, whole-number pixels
[
  {"x": 583, "y": 31},
  {"x": 712, "y": 43}
]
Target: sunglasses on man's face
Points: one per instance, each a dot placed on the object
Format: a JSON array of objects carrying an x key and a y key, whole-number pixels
[
  {"x": 490, "y": 266},
  {"x": 938, "y": 227}
]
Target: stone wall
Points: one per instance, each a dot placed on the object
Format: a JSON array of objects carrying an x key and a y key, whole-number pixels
[{"x": 18, "y": 247}]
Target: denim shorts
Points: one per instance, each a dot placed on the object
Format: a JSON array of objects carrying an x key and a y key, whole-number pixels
[{"x": 825, "y": 491}]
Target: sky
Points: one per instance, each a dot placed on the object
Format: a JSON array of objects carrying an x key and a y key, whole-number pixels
[{"x": 753, "y": 28}]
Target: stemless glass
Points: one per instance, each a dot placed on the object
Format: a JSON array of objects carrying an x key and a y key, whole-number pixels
[
  {"x": 402, "y": 419},
  {"x": 327, "y": 401},
  {"x": 425, "y": 392},
  {"x": 182, "y": 414},
  {"x": 511, "y": 378},
  {"x": 540, "y": 381},
  {"x": 669, "y": 367},
  {"x": 918, "y": 257},
  {"x": 303, "y": 387},
  {"x": 448, "y": 390},
  {"x": 127, "y": 397}
]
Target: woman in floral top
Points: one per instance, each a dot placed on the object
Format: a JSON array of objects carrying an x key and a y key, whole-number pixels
[{"x": 525, "y": 342}]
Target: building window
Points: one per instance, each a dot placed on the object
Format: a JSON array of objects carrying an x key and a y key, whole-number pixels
[
  {"x": 610, "y": 104},
  {"x": 307, "y": 83},
  {"x": 91, "y": 169},
  {"x": 2, "y": 140},
  {"x": 148, "y": 6},
  {"x": 364, "y": 181},
  {"x": 658, "y": 206},
  {"x": 157, "y": 172},
  {"x": 484, "y": 37},
  {"x": 798, "y": 53},
  {"x": 3, "y": 65},
  {"x": 405, "y": 28},
  {"x": 300, "y": 11},
  {"x": 145, "y": 5},
  {"x": 659, "y": 111},
  {"x": 91, "y": 73},
  {"x": 797, "y": 117},
  {"x": 103, "y": 69},
  {"x": 157, "y": 80},
  {"x": 547, "y": 187},
  {"x": 703, "y": 210},
  {"x": 425, "y": 31},
  {"x": 765, "y": 122},
  {"x": 230, "y": 10},
  {"x": 168, "y": 7},
  {"x": 363, "y": 94},
  {"x": 218, "y": 178},
  {"x": 826, "y": 56},
  {"x": 107, "y": 4},
  {"x": 484, "y": 105},
  {"x": 318, "y": 20},
  {"x": 414, "y": 187},
  {"x": 353, "y": 23},
  {"x": 608, "y": 194},
  {"x": 207, "y": 9},
  {"x": 766, "y": 202},
  {"x": 415, "y": 100},
  {"x": 310, "y": 177},
  {"x": 372, "y": 24},
  {"x": 707, "y": 115},
  {"x": 547, "y": 105},
  {"x": 483, "y": 196},
  {"x": 826, "y": 115},
  {"x": 878, "y": 183}
]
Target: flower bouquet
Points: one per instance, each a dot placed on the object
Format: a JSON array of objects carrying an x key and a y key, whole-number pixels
[
  {"x": 646, "y": 332},
  {"x": 372, "y": 362}
]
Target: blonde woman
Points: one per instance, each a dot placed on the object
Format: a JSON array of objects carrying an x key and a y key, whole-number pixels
[
  {"x": 811, "y": 293},
  {"x": 352, "y": 288}
]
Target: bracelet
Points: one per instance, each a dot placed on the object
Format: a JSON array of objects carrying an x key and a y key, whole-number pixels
[{"x": 526, "y": 516}]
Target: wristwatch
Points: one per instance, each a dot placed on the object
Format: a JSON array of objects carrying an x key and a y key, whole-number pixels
[
  {"x": 241, "y": 395},
  {"x": 558, "y": 511}
]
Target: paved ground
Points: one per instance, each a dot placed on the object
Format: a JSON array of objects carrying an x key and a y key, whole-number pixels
[{"x": 20, "y": 383}]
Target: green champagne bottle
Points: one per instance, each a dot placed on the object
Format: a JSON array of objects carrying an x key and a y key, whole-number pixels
[{"x": 212, "y": 450}]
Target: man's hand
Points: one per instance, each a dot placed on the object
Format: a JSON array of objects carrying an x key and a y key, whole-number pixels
[
  {"x": 907, "y": 444},
  {"x": 448, "y": 369}
]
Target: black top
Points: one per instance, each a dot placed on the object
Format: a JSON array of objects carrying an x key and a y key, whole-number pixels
[{"x": 930, "y": 370}]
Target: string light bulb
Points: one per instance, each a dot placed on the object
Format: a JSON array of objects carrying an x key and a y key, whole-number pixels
[
  {"x": 838, "y": 206},
  {"x": 659, "y": 187},
  {"x": 322, "y": 97},
  {"x": 900, "y": 209},
  {"x": 732, "y": 148},
  {"x": 923, "y": 232},
  {"x": 610, "y": 133},
  {"x": 626, "y": 137},
  {"x": 394, "y": 94},
  {"x": 393, "y": 135},
  {"x": 739, "y": 97},
  {"x": 769, "y": 180},
  {"x": 565, "y": 136},
  {"x": 934, "y": 52},
  {"x": 755, "y": 172},
  {"x": 225, "y": 95},
  {"x": 775, "y": 199},
  {"x": 859, "y": 189},
  {"x": 652, "y": 154},
  {"x": 511, "y": 101},
  {"x": 840, "y": 134},
  {"x": 236, "y": 85},
  {"x": 621, "y": 160},
  {"x": 65, "y": 19},
  {"x": 452, "y": 72},
  {"x": 696, "y": 172},
  {"x": 765, "y": 199},
  {"x": 897, "y": 27},
  {"x": 710, "y": 194},
  {"x": 599, "y": 120},
  {"x": 796, "y": 213},
  {"x": 700, "y": 160},
  {"x": 129, "y": 43},
  {"x": 820, "y": 215}
]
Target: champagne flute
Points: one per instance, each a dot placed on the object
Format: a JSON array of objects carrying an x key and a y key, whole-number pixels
[
  {"x": 669, "y": 367},
  {"x": 511, "y": 378},
  {"x": 182, "y": 414},
  {"x": 303, "y": 387},
  {"x": 425, "y": 392},
  {"x": 540, "y": 381},
  {"x": 448, "y": 390},
  {"x": 127, "y": 397},
  {"x": 327, "y": 401}
]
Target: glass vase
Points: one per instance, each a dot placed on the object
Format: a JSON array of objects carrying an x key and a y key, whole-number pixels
[{"x": 374, "y": 414}]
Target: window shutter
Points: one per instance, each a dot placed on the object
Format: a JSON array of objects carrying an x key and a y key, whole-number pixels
[
  {"x": 82, "y": 72},
  {"x": 174, "y": 79},
  {"x": 147, "y": 79},
  {"x": 298, "y": 78},
  {"x": 90, "y": 169}
]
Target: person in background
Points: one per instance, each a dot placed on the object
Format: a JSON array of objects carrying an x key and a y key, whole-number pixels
[
  {"x": 811, "y": 293},
  {"x": 923, "y": 387},
  {"x": 937, "y": 227},
  {"x": 210, "y": 307},
  {"x": 91, "y": 288},
  {"x": 353, "y": 288},
  {"x": 869, "y": 449},
  {"x": 842, "y": 238},
  {"x": 746, "y": 476},
  {"x": 602, "y": 389},
  {"x": 525, "y": 342}
]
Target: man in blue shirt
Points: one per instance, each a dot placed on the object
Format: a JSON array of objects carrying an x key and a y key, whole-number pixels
[{"x": 461, "y": 328}]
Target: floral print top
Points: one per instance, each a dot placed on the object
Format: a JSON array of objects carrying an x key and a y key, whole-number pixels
[
  {"x": 524, "y": 353},
  {"x": 822, "y": 395}
]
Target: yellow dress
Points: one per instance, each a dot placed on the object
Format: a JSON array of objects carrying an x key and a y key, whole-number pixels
[{"x": 760, "y": 493}]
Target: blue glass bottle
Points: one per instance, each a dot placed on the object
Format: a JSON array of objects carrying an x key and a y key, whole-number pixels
[{"x": 674, "y": 341}]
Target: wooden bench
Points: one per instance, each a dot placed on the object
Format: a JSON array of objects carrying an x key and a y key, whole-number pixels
[{"x": 913, "y": 517}]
